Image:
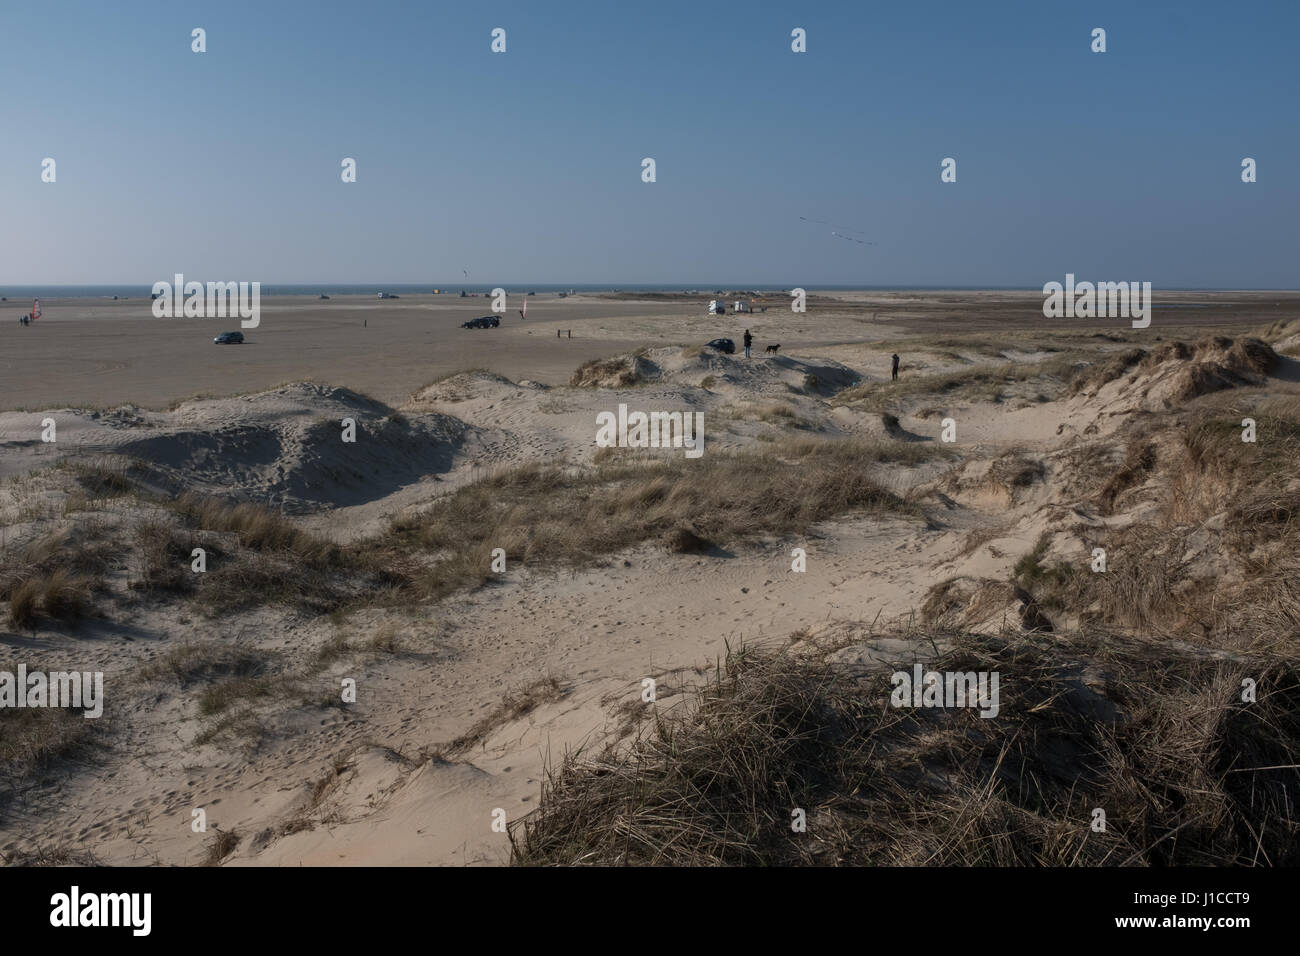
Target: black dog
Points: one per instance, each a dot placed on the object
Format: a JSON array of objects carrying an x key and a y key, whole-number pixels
[{"x": 771, "y": 349}]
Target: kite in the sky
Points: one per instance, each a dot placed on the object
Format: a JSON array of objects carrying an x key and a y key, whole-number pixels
[{"x": 838, "y": 232}]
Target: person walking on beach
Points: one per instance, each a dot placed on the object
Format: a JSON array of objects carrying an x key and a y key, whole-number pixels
[
  {"x": 749, "y": 339},
  {"x": 895, "y": 367}
]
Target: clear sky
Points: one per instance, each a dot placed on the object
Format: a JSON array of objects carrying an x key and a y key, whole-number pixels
[{"x": 526, "y": 166}]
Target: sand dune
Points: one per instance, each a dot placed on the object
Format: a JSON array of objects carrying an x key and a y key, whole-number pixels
[{"x": 224, "y": 688}]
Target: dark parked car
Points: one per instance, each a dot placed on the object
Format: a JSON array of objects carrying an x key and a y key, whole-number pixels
[
  {"x": 229, "y": 338},
  {"x": 723, "y": 345},
  {"x": 482, "y": 322}
]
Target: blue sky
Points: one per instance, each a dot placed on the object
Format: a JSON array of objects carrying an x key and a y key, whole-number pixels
[{"x": 526, "y": 166}]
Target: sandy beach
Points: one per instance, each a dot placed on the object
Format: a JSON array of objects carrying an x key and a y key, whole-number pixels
[
  {"x": 97, "y": 353},
  {"x": 373, "y": 561}
]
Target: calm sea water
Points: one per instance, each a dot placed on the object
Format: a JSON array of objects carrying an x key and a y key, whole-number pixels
[
  {"x": 410, "y": 288},
  {"x": 25, "y": 292}
]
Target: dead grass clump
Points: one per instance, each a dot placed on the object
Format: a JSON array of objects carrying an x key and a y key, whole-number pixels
[
  {"x": 276, "y": 562},
  {"x": 1187, "y": 773},
  {"x": 60, "y": 854},
  {"x": 103, "y": 479},
  {"x": 773, "y": 413},
  {"x": 946, "y": 602},
  {"x": 861, "y": 453},
  {"x": 1213, "y": 364},
  {"x": 33, "y": 737},
  {"x": 311, "y": 815},
  {"x": 257, "y": 528},
  {"x": 84, "y": 550},
  {"x": 165, "y": 558},
  {"x": 60, "y": 595},
  {"x": 257, "y": 579},
  {"x": 981, "y": 383},
  {"x": 23, "y": 598},
  {"x": 334, "y": 649},
  {"x": 387, "y": 639},
  {"x": 1139, "y": 460},
  {"x": 1012, "y": 472},
  {"x": 222, "y": 695},
  {"x": 544, "y": 514},
  {"x": 622, "y": 371},
  {"x": 965, "y": 602},
  {"x": 682, "y": 540},
  {"x": 65, "y": 597},
  {"x": 1092, "y": 378},
  {"x": 197, "y": 663},
  {"x": 223, "y": 844}
]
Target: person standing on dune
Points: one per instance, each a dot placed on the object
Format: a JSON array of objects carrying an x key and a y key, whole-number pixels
[
  {"x": 895, "y": 367},
  {"x": 748, "y": 341}
]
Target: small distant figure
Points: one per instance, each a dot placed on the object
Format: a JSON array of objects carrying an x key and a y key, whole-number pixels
[
  {"x": 557, "y": 333},
  {"x": 570, "y": 333},
  {"x": 771, "y": 349},
  {"x": 749, "y": 340},
  {"x": 895, "y": 378}
]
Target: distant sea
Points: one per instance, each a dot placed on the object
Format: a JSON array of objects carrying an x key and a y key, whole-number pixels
[
  {"x": 453, "y": 288},
  {"x": 21, "y": 292}
]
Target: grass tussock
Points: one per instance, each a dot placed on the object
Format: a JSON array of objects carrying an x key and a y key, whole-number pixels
[
  {"x": 32, "y": 738},
  {"x": 271, "y": 560},
  {"x": 1186, "y": 773},
  {"x": 772, "y": 413},
  {"x": 1088, "y": 380},
  {"x": 256, "y": 527},
  {"x": 1013, "y": 472},
  {"x": 622, "y": 371},
  {"x": 541, "y": 514},
  {"x": 196, "y": 663},
  {"x": 222, "y": 844},
  {"x": 988, "y": 383},
  {"x": 1139, "y": 460},
  {"x": 55, "y": 574},
  {"x": 59, "y": 595},
  {"x": 984, "y": 383},
  {"x": 1216, "y": 555},
  {"x": 165, "y": 558},
  {"x": 104, "y": 479}
]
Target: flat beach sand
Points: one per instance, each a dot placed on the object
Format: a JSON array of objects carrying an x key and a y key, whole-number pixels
[{"x": 98, "y": 353}]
